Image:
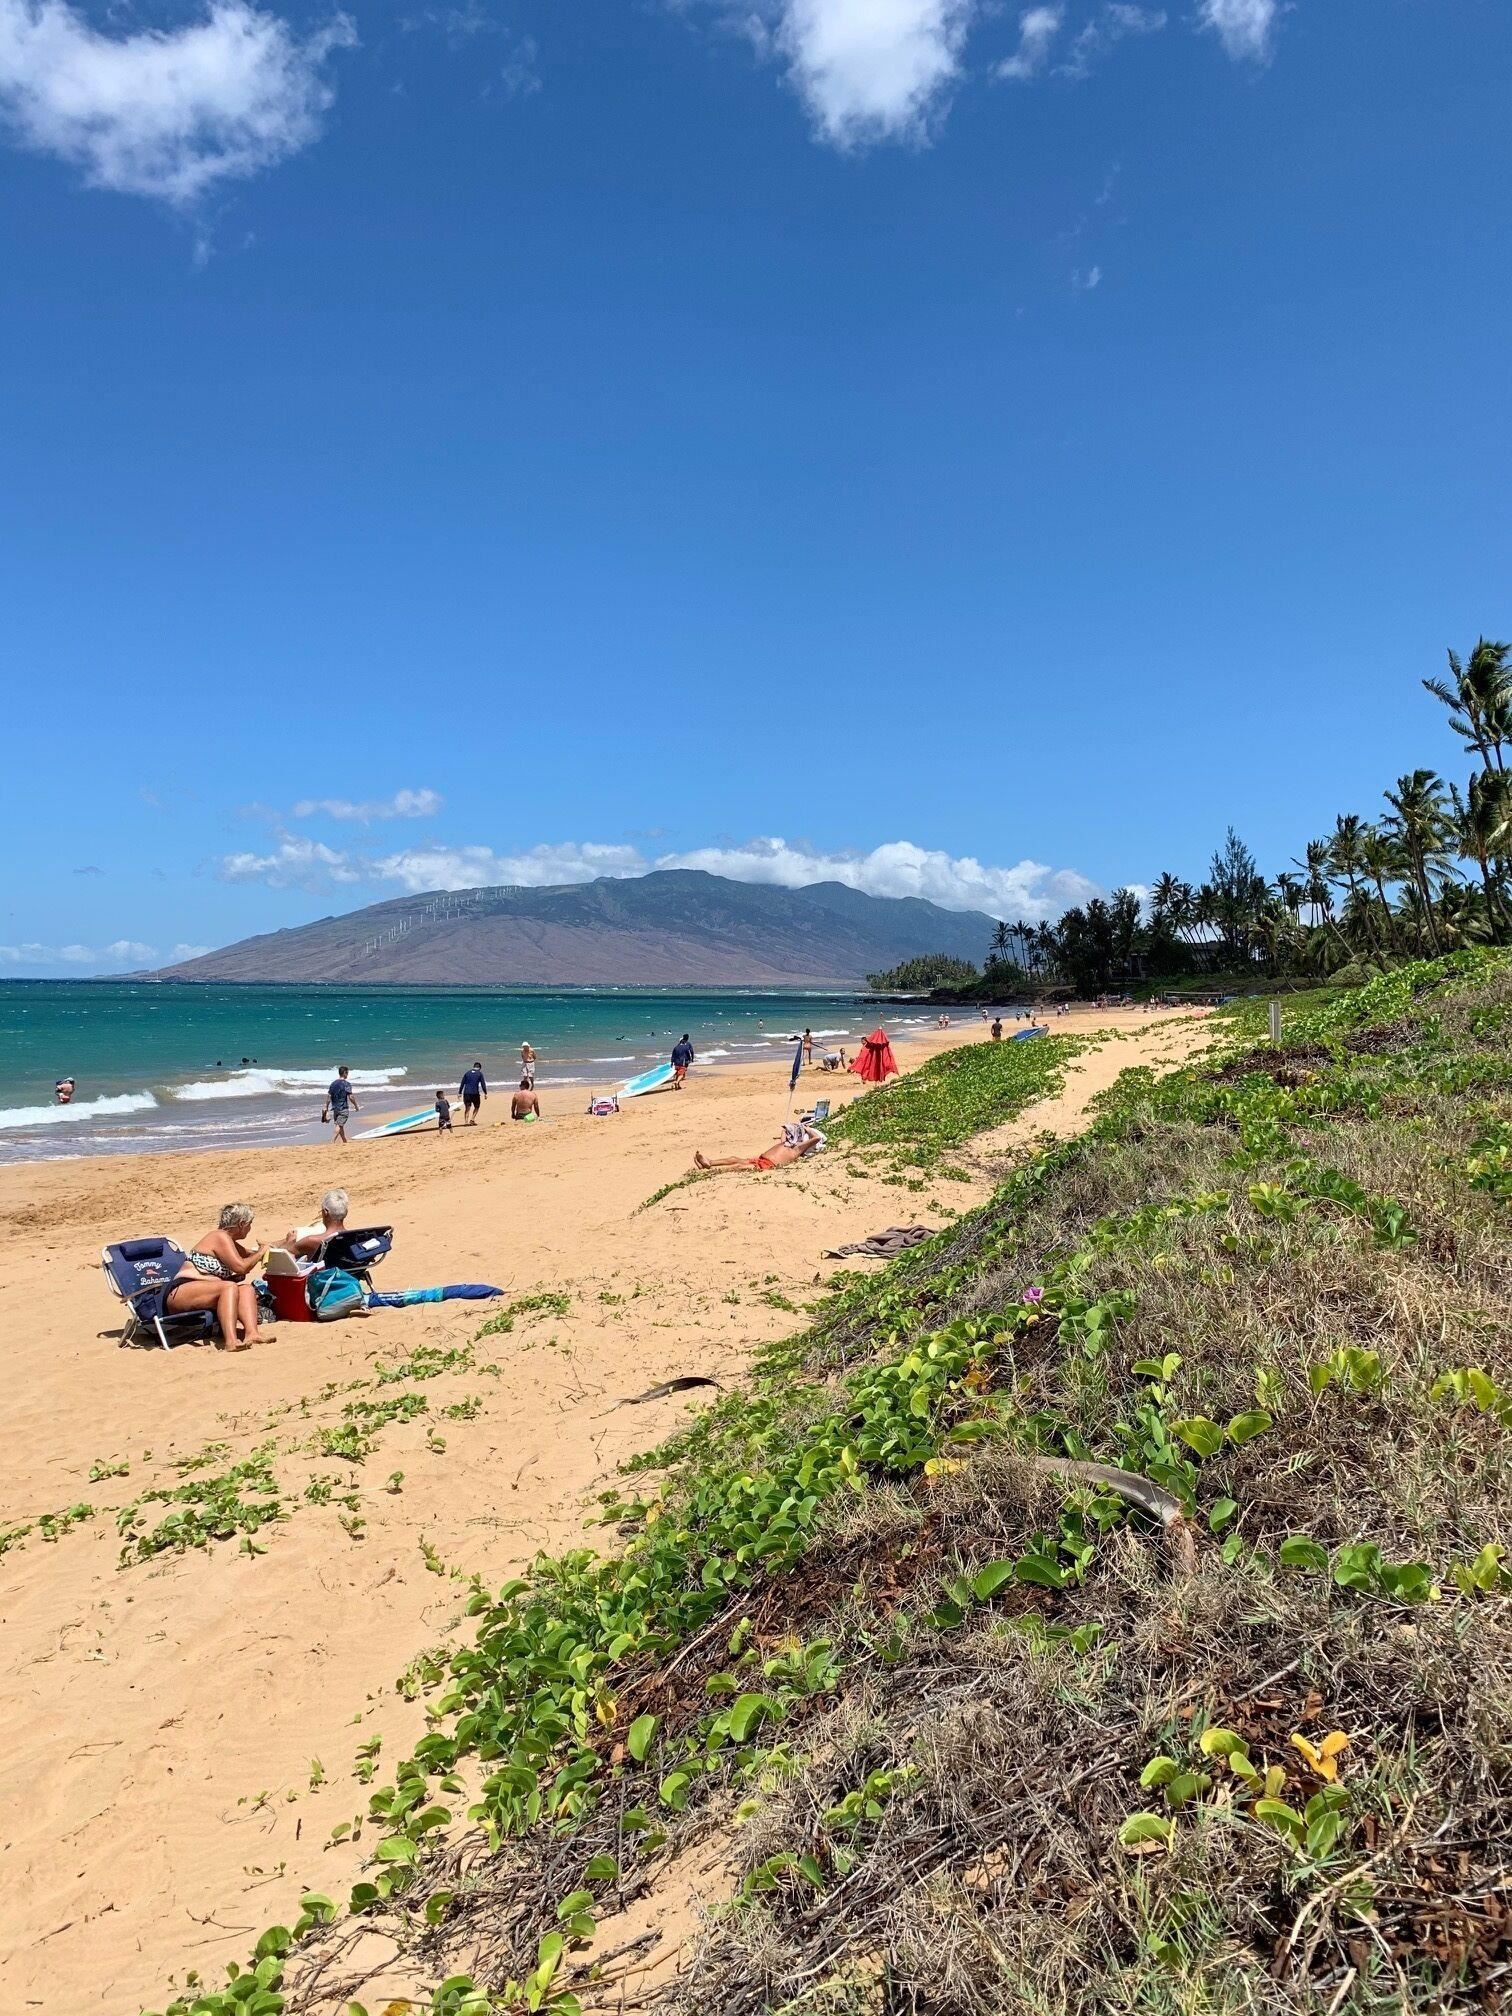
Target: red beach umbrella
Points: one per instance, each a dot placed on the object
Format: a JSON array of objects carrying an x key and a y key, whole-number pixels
[{"x": 875, "y": 1061}]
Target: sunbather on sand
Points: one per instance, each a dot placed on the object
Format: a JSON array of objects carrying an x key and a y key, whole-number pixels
[
  {"x": 216, "y": 1277},
  {"x": 797, "y": 1141}
]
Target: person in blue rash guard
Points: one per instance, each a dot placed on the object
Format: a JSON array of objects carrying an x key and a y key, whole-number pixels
[{"x": 473, "y": 1090}]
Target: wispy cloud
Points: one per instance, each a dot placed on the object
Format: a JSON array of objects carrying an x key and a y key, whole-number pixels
[
  {"x": 295, "y": 863},
  {"x": 1038, "y": 28},
  {"x": 1245, "y": 27},
  {"x": 409, "y": 804},
  {"x": 120, "y": 952},
  {"x": 1110, "y": 25},
  {"x": 166, "y": 113},
  {"x": 1027, "y": 888},
  {"x": 89, "y": 869},
  {"x": 182, "y": 952},
  {"x": 1084, "y": 279},
  {"x": 542, "y": 867},
  {"x": 871, "y": 70}
]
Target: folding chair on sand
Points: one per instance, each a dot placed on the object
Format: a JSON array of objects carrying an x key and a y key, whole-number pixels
[
  {"x": 140, "y": 1273},
  {"x": 357, "y": 1252}
]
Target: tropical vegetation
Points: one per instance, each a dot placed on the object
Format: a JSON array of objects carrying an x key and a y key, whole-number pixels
[{"x": 1430, "y": 873}]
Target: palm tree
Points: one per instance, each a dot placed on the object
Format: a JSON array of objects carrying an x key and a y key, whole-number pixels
[
  {"x": 1002, "y": 939},
  {"x": 1418, "y": 821},
  {"x": 1480, "y": 699},
  {"x": 1482, "y": 829},
  {"x": 1379, "y": 859}
]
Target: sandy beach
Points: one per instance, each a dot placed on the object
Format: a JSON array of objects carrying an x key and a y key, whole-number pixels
[{"x": 184, "y": 1730}]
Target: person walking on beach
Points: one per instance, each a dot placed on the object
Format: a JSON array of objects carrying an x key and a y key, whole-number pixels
[
  {"x": 443, "y": 1112},
  {"x": 340, "y": 1099},
  {"x": 997, "y": 1031},
  {"x": 472, "y": 1091},
  {"x": 682, "y": 1057},
  {"x": 808, "y": 1046},
  {"x": 527, "y": 1065}
]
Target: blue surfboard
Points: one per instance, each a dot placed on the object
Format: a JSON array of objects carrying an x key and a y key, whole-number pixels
[
  {"x": 407, "y": 1123},
  {"x": 654, "y": 1080}
]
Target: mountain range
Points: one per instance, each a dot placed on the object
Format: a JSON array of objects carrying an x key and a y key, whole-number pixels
[{"x": 672, "y": 928}]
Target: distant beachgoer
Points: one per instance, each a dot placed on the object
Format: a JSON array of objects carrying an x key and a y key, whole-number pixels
[
  {"x": 682, "y": 1057},
  {"x": 527, "y": 1064},
  {"x": 341, "y": 1100},
  {"x": 473, "y": 1091},
  {"x": 305, "y": 1241},
  {"x": 798, "y": 1140},
  {"x": 214, "y": 1276},
  {"x": 63, "y": 1091},
  {"x": 808, "y": 1046},
  {"x": 526, "y": 1104},
  {"x": 997, "y": 1031},
  {"x": 443, "y": 1112}
]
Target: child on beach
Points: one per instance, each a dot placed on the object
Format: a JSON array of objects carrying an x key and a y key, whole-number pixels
[{"x": 443, "y": 1113}]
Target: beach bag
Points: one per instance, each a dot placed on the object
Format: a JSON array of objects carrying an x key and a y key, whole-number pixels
[{"x": 332, "y": 1293}]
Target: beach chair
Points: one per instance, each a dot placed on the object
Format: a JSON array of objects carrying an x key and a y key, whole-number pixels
[
  {"x": 357, "y": 1253},
  {"x": 140, "y": 1273},
  {"x": 819, "y": 1115}
]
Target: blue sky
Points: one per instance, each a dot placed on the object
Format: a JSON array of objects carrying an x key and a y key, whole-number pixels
[{"x": 973, "y": 451}]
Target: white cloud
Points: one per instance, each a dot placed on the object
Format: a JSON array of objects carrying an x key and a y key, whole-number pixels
[
  {"x": 420, "y": 804},
  {"x": 1112, "y": 24},
  {"x": 543, "y": 867},
  {"x": 182, "y": 952},
  {"x": 1244, "y": 27},
  {"x": 899, "y": 868},
  {"x": 295, "y": 863},
  {"x": 1027, "y": 889},
  {"x": 1038, "y": 28},
  {"x": 872, "y": 70},
  {"x": 1085, "y": 281},
  {"x": 163, "y": 112},
  {"x": 121, "y": 952}
]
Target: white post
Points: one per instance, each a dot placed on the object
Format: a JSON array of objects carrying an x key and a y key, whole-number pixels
[{"x": 1275, "y": 1021}]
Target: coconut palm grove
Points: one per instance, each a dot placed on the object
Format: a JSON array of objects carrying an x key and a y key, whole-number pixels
[{"x": 1427, "y": 874}]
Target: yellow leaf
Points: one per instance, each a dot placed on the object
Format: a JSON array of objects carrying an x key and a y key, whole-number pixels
[
  {"x": 941, "y": 1466},
  {"x": 1320, "y": 1760},
  {"x": 604, "y": 1708}
]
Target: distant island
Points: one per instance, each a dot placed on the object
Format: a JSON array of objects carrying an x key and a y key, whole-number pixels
[{"x": 673, "y": 928}]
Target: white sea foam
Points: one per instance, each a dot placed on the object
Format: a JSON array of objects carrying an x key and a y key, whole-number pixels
[
  {"x": 81, "y": 1109},
  {"x": 267, "y": 1082}
]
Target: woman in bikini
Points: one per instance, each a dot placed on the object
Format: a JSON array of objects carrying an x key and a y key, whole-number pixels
[{"x": 216, "y": 1276}]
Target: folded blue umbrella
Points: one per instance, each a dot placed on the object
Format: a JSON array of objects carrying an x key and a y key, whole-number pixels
[{"x": 459, "y": 1291}]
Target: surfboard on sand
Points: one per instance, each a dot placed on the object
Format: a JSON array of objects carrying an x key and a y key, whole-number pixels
[
  {"x": 653, "y": 1080},
  {"x": 406, "y": 1123}
]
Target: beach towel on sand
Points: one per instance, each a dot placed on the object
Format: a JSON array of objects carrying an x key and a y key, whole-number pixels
[
  {"x": 459, "y": 1291},
  {"x": 883, "y": 1245}
]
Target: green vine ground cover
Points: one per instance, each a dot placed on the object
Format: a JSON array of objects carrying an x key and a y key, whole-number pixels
[{"x": 994, "y": 1742}]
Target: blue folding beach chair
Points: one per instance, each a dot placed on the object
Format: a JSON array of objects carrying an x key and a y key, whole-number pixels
[
  {"x": 140, "y": 1273},
  {"x": 357, "y": 1252}
]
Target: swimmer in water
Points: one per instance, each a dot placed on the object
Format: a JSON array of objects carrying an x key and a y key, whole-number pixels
[{"x": 63, "y": 1091}]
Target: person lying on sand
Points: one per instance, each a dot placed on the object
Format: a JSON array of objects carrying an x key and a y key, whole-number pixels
[
  {"x": 215, "y": 1277},
  {"x": 305, "y": 1241},
  {"x": 798, "y": 1140}
]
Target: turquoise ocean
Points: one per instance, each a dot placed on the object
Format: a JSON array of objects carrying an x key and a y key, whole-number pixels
[{"x": 162, "y": 1066}]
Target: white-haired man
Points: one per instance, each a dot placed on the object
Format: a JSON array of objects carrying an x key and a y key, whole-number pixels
[{"x": 305, "y": 1241}]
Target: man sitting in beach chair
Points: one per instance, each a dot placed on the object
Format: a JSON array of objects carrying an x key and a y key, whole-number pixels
[
  {"x": 798, "y": 1140},
  {"x": 305, "y": 1241}
]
